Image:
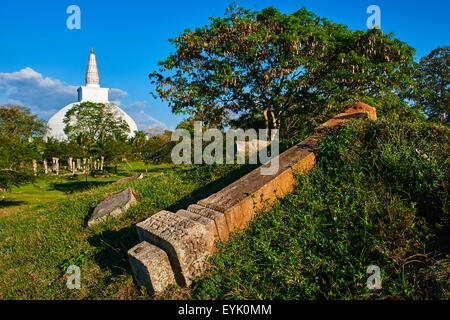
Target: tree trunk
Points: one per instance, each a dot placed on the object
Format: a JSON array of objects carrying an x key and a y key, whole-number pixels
[{"x": 266, "y": 120}]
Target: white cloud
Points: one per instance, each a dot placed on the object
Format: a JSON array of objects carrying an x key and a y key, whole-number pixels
[
  {"x": 44, "y": 96},
  {"x": 115, "y": 95},
  {"x": 143, "y": 120},
  {"x": 29, "y": 88}
]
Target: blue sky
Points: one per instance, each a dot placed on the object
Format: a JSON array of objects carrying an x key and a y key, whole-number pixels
[{"x": 42, "y": 62}]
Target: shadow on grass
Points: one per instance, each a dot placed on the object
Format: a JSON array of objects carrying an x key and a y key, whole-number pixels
[
  {"x": 78, "y": 186},
  {"x": 210, "y": 188},
  {"x": 5, "y": 203},
  {"x": 113, "y": 247}
]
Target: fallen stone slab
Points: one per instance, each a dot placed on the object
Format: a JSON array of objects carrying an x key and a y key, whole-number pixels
[
  {"x": 113, "y": 205},
  {"x": 151, "y": 267},
  {"x": 186, "y": 242},
  {"x": 128, "y": 179}
]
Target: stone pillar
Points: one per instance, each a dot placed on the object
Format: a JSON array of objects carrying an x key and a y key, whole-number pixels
[
  {"x": 69, "y": 164},
  {"x": 101, "y": 163},
  {"x": 79, "y": 164},
  {"x": 35, "y": 167},
  {"x": 57, "y": 166},
  {"x": 45, "y": 166},
  {"x": 74, "y": 168}
]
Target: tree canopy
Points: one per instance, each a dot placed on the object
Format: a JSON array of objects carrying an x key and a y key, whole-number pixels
[
  {"x": 18, "y": 122},
  {"x": 93, "y": 121},
  {"x": 260, "y": 68},
  {"x": 433, "y": 76}
]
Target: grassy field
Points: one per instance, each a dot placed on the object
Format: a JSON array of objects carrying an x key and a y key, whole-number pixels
[
  {"x": 47, "y": 188},
  {"x": 378, "y": 195},
  {"x": 39, "y": 242}
]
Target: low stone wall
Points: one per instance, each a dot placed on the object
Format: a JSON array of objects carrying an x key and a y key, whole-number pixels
[{"x": 174, "y": 246}]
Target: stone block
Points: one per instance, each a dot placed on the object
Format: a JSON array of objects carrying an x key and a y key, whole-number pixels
[
  {"x": 129, "y": 179},
  {"x": 240, "y": 200},
  {"x": 222, "y": 229},
  {"x": 151, "y": 267},
  {"x": 360, "y": 107},
  {"x": 186, "y": 242},
  {"x": 207, "y": 222}
]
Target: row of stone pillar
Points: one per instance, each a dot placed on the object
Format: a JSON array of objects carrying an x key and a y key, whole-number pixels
[{"x": 72, "y": 165}]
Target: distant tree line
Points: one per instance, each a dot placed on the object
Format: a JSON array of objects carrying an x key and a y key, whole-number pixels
[{"x": 93, "y": 130}]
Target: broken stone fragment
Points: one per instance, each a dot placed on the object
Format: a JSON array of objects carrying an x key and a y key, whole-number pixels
[
  {"x": 151, "y": 267},
  {"x": 186, "y": 242},
  {"x": 114, "y": 205},
  {"x": 128, "y": 179}
]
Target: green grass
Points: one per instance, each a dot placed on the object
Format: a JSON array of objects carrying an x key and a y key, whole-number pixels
[
  {"x": 47, "y": 188},
  {"x": 38, "y": 243}
]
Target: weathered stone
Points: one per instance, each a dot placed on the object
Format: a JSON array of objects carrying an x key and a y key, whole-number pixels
[
  {"x": 35, "y": 167},
  {"x": 128, "y": 179},
  {"x": 186, "y": 242},
  {"x": 114, "y": 205},
  {"x": 220, "y": 222},
  {"x": 360, "y": 107},
  {"x": 207, "y": 222},
  {"x": 151, "y": 267}
]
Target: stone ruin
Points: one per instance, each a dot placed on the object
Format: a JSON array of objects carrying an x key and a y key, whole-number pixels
[
  {"x": 72, "y": 166},
  {"x": 174, "y": 247}
]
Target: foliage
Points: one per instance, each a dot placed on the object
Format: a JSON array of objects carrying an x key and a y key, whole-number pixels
[
  {"x": 433, "y": 75},
  {"x": 261, "y": 69},
  {"x": 17, "y": 129},
  {"x": 17, "y": 122},
  {"x": 91, "y": 122}
]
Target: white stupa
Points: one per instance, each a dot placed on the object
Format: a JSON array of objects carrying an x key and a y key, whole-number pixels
[{"x": 92, "y": 92}]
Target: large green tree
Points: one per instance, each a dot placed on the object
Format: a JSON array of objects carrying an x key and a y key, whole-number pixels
[
  {"x": 249, "y": 68},
  {"x": 18, "y": 127},
  {"x": 433, "y": 74},
  {"x": 91, "y": 123}
]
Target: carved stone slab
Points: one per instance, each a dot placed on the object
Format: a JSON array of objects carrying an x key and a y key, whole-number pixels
[
  {"x": 222, "y": 229},
  {"x": 186, "y": 242}
]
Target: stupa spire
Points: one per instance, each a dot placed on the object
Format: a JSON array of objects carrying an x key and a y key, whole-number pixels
[{"x": 92, "y": 75}]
